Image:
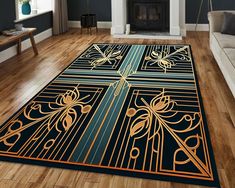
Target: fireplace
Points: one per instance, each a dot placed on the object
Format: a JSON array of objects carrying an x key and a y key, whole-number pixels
[
  {"x": 150, "y": 15},
  {"x": 120, "y": 18}
]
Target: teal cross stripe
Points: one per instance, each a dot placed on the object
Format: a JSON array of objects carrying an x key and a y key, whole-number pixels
[{"x": 94, "y": 140}]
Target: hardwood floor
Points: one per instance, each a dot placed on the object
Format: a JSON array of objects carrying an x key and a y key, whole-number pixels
[{"x": 24, "y": 76}]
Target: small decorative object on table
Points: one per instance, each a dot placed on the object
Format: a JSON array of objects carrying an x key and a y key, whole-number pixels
[
  {"x": 26, "y": 7},
  {"x": 14, "y": 32},
  {"x": 19, "y": 27}
]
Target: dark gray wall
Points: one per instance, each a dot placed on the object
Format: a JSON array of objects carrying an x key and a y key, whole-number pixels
[
  {"x": 7, "y": 16},
  {"x": 103, "y": 9},
  {"x": 42, "y": 22},
  {"x": 192, "y": 7}
]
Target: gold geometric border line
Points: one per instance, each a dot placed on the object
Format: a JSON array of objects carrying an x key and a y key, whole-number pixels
[{"x": 110, "y": 167}]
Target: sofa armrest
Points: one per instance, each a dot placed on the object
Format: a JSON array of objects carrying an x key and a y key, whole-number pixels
[{"x": 216, "y": 19}]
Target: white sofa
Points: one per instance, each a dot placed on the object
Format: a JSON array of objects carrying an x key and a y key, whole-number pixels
[{"x": 223, "y": 48}]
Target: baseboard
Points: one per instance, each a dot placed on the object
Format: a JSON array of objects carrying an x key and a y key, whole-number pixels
[
  {"x": 74, "y": 24},
  {"x": 200, "y": 27},
  {"x": 183, "y": 32},
  {"x": 108, "y": 25},
  {"x": 12, "y": 51},
  {"x": 153, "y": 37},
  {"x": 101, "y": 24},
  {"x": 104, "y": 25}
]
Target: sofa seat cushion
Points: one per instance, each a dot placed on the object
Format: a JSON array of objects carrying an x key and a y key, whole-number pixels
[
  {"x": 230, "y": 52},
  {"x": 224, "y": 40}
]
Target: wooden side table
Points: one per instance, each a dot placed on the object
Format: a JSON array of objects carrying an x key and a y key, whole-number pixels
[{"x": 4, "y": 40}]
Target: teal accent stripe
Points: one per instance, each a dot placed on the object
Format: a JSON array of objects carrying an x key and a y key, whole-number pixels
[
  {"x": 83, "y": 80},
  {"x": 85, "y": 142},
  {"x": 164, "y": 75},
  {"x": 91, "y": 72},
  {"x": 133, "y": 57},
  {"x": 103, "y": 120},
  {"x": 105, "y": 132},
  {"x": 161, "y": 84}
]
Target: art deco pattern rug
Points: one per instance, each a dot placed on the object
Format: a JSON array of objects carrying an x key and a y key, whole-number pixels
[{"x": 131, "y": 110}]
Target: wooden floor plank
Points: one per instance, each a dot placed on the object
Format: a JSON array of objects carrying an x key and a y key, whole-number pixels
[{"x": 23, "y": 76}]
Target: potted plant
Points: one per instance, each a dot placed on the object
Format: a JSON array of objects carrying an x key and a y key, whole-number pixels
[{"x": 25, "y": 8}]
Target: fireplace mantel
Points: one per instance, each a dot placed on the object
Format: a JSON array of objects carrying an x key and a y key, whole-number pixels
[{"x": 177, "y": 17}]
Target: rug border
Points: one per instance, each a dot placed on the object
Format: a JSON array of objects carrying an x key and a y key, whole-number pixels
[
  {"x": 119, "y": 172},
  {"x": 211, "y": 152}
]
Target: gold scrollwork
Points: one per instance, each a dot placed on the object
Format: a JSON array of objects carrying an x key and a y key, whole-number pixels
[
  {"x": 161, "y": 107},
  {"x": 166, "y": 60},
  {"x": 49, "y": 144},
  {"x": 62, "y": 116},
  {"x": 107, "y": 56},
  {"x": 14, "y": 136},
  {"x": 135, "y": 152}
]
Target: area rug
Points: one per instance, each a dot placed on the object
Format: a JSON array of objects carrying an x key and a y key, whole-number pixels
[{"x": 132, "y": 110}]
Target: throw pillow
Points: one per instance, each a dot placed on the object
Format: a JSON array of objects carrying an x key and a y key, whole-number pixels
[{"x": 228, "y": 26}]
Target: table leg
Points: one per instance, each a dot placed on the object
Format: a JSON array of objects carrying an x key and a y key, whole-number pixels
[
  {"x": 33, "y": 44},
  {"x": 19, "y": 46}
]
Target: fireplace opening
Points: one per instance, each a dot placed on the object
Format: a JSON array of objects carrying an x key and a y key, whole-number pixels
[{"x": 149, "y": 15}]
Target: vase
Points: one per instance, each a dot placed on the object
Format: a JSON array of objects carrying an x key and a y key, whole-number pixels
[{"x": 26, "y": 8}]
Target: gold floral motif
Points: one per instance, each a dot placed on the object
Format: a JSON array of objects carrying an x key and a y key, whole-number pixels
[
  {"x": 131, "y": 112},
  {"x": 61, "y": 116},
  {"x": 166, "y": 60},
  {"x": 161, "y": 107},
  {"x": 160, "y": 104},
  {"x": 107, "y": 56}
]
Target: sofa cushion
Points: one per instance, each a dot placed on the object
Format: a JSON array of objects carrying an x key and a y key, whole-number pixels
[
  {"x": 228, "y": 26},
  {"x": 224, "y": 40},
  {"x": 230, "y": 52}
]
